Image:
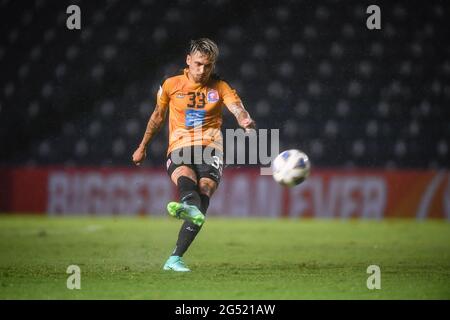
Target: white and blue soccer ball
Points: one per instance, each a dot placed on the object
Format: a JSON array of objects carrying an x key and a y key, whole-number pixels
[{"x": 291, "y": 167}]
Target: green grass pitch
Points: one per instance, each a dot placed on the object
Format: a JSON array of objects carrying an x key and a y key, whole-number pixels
[{"x": 122, "y": 258}]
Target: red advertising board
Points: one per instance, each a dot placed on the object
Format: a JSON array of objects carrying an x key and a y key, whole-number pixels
[{"x": 242, "y": 192}]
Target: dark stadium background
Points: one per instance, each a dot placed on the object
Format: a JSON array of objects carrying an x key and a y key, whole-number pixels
[
  {"x": 350, "y": 97},
  {"x": 344, "y": 94}
]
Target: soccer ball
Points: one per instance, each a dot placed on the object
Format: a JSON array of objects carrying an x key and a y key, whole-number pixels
[{"x": 291, "y": 167}]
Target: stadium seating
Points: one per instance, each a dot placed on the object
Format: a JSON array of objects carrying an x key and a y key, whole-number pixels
[{"x": 344, "y": 94}]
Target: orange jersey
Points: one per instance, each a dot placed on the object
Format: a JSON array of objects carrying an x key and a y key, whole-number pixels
[{"x": 195, "y": 110}]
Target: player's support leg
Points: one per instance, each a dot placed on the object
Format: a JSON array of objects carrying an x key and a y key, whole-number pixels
[
  {"x": 205, "y": 203},
  {"x": 176, "y": 263},
  {"x": 206, "y": 188}
]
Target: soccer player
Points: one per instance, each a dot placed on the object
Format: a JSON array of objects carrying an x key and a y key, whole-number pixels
[{"x": 194, "y": 100}]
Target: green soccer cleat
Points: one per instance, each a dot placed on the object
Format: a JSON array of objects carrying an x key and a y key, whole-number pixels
[
  {"x": 175, "y": 263},
  {"x": 186, "y": 212}
]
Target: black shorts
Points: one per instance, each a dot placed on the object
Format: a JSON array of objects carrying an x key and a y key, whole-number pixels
[{"x": 206, "y": 162}]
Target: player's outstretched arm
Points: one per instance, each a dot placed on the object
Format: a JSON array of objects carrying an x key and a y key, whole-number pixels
[
  {"x": 242, "y": 116},
  {"x": 154, "y": 124}
]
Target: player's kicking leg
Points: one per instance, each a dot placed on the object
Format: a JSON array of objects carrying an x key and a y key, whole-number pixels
[
  {"x": 195, "y": 196},
  {"x": 182, "y": 210},
  {"x": 188, "y": 230},
  {"x": 189, "y": 210}
]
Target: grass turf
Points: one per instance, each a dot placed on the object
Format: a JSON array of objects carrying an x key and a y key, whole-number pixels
[{"x": 122, "y": 258}]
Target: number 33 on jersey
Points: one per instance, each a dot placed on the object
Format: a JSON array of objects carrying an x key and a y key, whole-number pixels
[{"x": 195, "y": 107}]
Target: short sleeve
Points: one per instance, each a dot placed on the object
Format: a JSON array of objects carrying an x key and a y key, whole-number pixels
[
  {"x": 162, "y": 97},
  {"x": 229, "y": 95}
]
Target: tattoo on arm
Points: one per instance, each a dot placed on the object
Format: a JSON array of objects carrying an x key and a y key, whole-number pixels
[
  {"x": 239, "y": 112},
  {"x": 154, "y": 124},
  {"x": 152, "y": 127}
]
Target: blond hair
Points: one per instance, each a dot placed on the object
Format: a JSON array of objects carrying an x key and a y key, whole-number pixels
[{"x": 204, "y": 46}]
